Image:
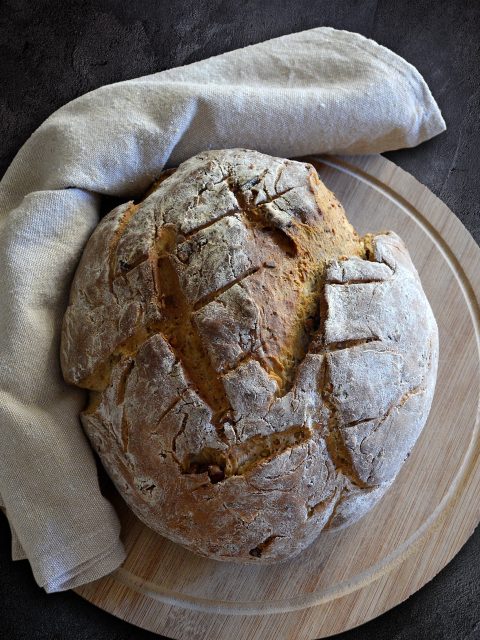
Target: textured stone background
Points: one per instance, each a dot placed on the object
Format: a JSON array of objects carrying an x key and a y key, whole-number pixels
[{"x": 52, "y": 51}]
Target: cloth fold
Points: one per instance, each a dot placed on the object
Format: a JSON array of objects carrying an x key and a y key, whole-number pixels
[{"x": 318, "y": 91}]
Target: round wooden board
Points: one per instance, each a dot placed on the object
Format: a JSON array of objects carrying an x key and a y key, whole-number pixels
[{"x": 346, "y": 577}]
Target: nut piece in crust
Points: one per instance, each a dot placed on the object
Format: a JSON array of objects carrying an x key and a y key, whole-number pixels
[{"x": 258, "y": 371}]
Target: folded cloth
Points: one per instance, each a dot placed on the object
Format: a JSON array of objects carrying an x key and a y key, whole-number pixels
[{"x": 319, "y": 91}]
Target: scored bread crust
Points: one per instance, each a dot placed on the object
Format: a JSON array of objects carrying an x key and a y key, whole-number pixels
[{"x": 258, "y": 372}]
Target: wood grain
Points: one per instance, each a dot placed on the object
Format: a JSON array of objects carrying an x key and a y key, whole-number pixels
[{"x": 348, "y": 577}]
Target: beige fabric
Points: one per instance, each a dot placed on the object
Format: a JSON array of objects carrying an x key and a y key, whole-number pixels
[{"x": 313, "y": 92}]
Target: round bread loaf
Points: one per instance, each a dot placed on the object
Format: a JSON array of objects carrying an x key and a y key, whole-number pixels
[{"x": 258, "y": 372}]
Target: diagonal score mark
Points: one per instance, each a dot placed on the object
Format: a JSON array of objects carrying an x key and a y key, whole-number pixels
[{"x": 210, "y": 297}]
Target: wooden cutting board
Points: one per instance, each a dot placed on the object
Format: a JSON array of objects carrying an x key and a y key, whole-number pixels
[{"x": 348, "y": 577}]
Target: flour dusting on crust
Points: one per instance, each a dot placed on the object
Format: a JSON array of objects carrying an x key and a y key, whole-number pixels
[{"x": 258, "y": 372}]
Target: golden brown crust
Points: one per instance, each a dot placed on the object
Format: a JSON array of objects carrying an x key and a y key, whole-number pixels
[{"x": 256, "y": 377}]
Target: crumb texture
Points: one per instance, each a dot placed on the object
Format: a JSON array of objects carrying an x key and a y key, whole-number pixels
[{"x": 258, "y": 372}]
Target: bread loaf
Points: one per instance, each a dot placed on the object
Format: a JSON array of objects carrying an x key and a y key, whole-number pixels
[{"x": 258, "y": 371}]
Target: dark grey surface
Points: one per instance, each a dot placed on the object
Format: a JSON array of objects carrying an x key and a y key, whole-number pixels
[{"x": 52, "y": 51}]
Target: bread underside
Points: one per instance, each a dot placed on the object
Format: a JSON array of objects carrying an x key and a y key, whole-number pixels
[{"x": 258, "y": 372}]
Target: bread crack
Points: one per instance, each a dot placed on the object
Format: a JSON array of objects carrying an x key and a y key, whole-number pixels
[
  {"x": 278, "y": 194},
  {"x": 246, "y": 357},
  {"x": 212, "y": 296},
  {"x": 112, "y": 249},
  {"x": 257, "y": 216},
  {"x": 122, "y": 384},
  {"x": 311, "y": 324},
  {"x": 257, "y": 551},
  {"x": 179, "y": 330},
  {"x": 170, "y": 407},
  {"x": 353, "y": 281},
  {"x": 239, "y": 459},
  {"x": 208, "y": 186},
  {"x": 417, "y": 390},
  {"x": 249, "y": 184},
  {"x": 126, "y": 267},
  {"x": 100, "y": 377},
  {"x": 339, "y": 454},
  {"x": 349, "y": 344},
  {"x": 229, "y": 214},
  {"x": 279, "y": 172},
  {"x": 355, "y": 423},
  {"x": 321, "y": 505},
  {"x": 179, "y": 432}
]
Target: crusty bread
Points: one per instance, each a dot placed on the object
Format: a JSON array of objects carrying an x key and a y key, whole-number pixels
[{"x": 258, "y": 372}]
